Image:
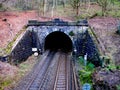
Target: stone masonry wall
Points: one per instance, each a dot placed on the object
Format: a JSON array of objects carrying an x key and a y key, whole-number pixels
[{"x": 23, "y": 49}]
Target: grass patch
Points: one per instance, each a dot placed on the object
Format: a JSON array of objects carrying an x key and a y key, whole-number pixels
[
  {"x": 23, "y": 68},
  {"x": 109, "y": 64},
  {"x": 5, "y": 83},
  {"x": 26, "y": 66},
  {"x": 110, "y": 67}
]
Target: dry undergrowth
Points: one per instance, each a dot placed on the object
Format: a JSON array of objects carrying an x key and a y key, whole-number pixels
[{"x": 11, "y": 75}]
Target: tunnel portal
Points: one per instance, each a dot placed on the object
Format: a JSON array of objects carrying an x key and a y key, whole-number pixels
[{"x": 58, "y": 41}]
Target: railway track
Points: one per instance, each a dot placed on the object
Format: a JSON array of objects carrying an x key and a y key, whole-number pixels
[
  {"x": 53, "y": 72},
  {"x": 61, "y": 81}
]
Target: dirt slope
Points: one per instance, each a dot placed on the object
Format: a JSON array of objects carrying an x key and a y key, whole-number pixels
[
  {"x": 105, "y": 28},
  {"x": 11, "y": 23}
]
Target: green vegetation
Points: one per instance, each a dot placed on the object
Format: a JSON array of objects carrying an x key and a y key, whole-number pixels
[
  {"x": 4, "y": 83},
  {"x": 118, "y": 87},
  {"x": 71, "y": 33},
  {"x": 110, "y": 67},
  {"x": 109, "y": 64},
  {"x": 118, "y": 67},
  {"x": 24, "y": 67},
  {"x": 9, "y": 46},
  {"x": 85, "y": 74}
]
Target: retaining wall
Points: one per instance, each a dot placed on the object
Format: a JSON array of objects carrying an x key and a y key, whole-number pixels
[{"x": 23, "y": 48}]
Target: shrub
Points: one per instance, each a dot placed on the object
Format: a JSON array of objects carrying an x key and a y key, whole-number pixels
[
  {"x": 118, "y": 87},
  {"x": 85, "y": 75},
  {"x": 71, "y": 33}
]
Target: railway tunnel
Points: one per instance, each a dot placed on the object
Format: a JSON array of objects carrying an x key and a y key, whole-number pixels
[
  {"x": 55, "y": 36},
  {"x": 58, "y": 41}
]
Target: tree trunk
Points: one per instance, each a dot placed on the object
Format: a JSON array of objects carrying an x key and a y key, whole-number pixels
[
  {"x": 52, "y": 12},
  {"x": 44, "y": 5},
  {"x": 77, "y": 10}
]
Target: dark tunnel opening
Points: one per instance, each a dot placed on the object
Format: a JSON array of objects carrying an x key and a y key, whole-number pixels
[{"x": 58, "y": 41}]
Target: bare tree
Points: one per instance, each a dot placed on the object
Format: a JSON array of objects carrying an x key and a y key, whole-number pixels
[
  {"x": 52, "y": 12},
  {"x": 75, "y": 4},
  {"x": 45, "y": 6},
  {"x": 103, "y": 4}
]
